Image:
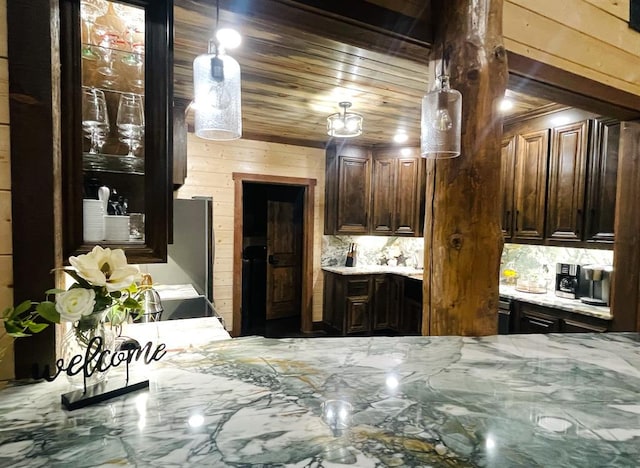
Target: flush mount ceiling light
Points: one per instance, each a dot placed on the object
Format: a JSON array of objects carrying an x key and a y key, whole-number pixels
[
  {"x": 216, "y": 85},
  {"x": 345, "y": 124},
  {"x": 441, "y": 123}
]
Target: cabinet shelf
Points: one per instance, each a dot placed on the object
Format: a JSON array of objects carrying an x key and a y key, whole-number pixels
[{"x": 116, "y": 163}]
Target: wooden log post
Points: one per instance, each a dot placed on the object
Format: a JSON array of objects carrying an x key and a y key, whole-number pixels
[{"x": 463, "y": 240}]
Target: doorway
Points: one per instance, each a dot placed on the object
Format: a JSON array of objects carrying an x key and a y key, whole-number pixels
[
  {"x": 271, "y": 259},
  {"x": 273, "y": 255}
]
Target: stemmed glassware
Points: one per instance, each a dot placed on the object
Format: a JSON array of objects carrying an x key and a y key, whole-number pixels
[
  {"x": 107, "y": 30},
  {"x": 133, "y": 19},
  {"x": 130, "y": 121},
  {"x": 89, "y": 11},
  {"x": 95, "y": 118}
]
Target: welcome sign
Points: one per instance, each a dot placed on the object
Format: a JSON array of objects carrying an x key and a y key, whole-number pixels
[{"x": 98, "y": 359}]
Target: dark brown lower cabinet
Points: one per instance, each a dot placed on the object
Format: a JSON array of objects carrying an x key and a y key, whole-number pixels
[
  {"x": 532, "y": 318},
  {"x": 372, "y": 304}
]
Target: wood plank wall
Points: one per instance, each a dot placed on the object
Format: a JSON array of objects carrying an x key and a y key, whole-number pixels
[
  {"x": 590, "y": 38},
  {"x": 6, "y": 264},
  {"x": 209, "y": 173}
]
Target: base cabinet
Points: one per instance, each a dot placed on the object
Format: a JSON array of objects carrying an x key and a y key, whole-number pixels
[
  {"x": 372, "y": 304},
  {"x": 531, "y": 318}
]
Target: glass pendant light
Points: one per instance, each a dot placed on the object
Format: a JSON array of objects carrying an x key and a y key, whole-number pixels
[
  {"x": 441, "y": 123},
  {"x": 216, "y": 85}
]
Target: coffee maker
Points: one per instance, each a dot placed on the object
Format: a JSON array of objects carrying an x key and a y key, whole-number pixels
[
  {"x": 595, "y": 284},
  {"x": 567, "y": 280}
]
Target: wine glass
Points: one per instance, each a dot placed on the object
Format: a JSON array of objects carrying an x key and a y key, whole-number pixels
[
  {"x": 95, "y": 118},
  {"x": 108, "y": 29},
  {"x": 89, "y": 11},
  {"x": 130, "y": 121}
]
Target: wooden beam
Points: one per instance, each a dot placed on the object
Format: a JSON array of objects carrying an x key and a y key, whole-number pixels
[
  {"x": 463, "y": 240},
  {"x": 546, "y": 81},
  {"x": 626, "y": 259},
  {"x": 33, "y": 167}
]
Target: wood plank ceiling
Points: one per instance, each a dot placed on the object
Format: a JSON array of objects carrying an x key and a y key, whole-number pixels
[{"x": 299, "y": 62}]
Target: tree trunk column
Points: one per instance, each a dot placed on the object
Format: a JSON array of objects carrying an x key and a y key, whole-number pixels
[{"x": 462, "y": 236}]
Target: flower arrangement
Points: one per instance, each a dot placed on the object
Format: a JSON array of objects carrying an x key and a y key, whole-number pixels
[{"x": 104, "y": 282}]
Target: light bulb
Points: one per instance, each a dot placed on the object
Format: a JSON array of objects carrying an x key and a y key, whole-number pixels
[
  {"x": 352, "y": 125},
  {"x": 442, "y": 121},
  {"x": 338, "y": 124}
]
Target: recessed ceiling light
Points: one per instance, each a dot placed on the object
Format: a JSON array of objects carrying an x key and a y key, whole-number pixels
[
  {"x": 506, "y": 104},
  {"x": 400, "y": 137}
]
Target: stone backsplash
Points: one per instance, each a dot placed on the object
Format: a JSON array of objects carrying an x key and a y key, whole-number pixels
[
  {"x": 372, "y": 250},
  {"x": 528, "y": 261}
]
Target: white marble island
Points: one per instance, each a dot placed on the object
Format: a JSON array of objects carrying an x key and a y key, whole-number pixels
[{"x": 517, "y": 400}]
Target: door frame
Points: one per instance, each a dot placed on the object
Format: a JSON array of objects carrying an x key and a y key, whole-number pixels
[{"x": 306, "y": 295}]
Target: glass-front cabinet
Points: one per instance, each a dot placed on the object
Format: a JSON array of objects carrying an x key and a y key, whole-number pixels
[{"x": 116, "y": 83}]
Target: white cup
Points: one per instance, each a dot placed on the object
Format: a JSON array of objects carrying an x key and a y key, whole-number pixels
[
  {"x": 116, "y": 228},
  {"x": 92, "y": 220}
]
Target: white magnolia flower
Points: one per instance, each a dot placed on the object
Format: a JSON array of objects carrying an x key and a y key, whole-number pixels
[
  {"x": 105, "y": 267},
  {"x": 75, "y": 303}
]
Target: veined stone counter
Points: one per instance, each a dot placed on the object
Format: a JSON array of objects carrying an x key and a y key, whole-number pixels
[
  {"x": 376, "y": 269},
  {"x": 512, "y": 400},
  {"x": 549, "y": 299}
]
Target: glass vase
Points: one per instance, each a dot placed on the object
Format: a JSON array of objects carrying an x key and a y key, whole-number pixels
[{"x": 78, "y": 338}]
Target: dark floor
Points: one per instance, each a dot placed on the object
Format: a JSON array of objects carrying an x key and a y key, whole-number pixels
[{"x": 286, "y": 328}]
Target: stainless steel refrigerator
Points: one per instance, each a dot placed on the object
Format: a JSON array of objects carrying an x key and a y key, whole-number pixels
[{"x": 189, "y": 261}]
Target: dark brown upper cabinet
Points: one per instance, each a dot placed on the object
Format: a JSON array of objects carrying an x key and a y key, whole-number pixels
[
  {"x": 377, "y": 192},
  {"x": 601, "y": 189},
  {"x": 348, "y": 190},
  {"x": 398, "y": 193},
  {"x": 529, "y": 185},
  {"x": 567, "y": 171},
  {"x": 558, "y": 179},
  {"x": 507, "y": 173},
  {"x": 118, "y": 58}
]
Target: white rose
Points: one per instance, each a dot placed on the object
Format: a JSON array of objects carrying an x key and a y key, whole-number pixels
[
  {"x": 74, "y": 303},
  {"x": 105, "y": 267}
]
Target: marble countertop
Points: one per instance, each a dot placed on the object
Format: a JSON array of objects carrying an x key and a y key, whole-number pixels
[
  {"x": 557, "y": 400},
  {"x": 548, "y": 299},
  {"x": 376, "y": 269}
]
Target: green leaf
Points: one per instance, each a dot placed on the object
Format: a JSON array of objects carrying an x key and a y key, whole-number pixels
[
  {"x": 14, "y": 330},
  {"x": 130, "y": 303},
  {"x": 54, "y": 291},
  {"x": 47, "y": 310},
  {"x": 22, "y": 308},
  {"x": 36, "y": 327},
  {"x": 116, "y": 294},
  {"x": 6, "y": 313}
]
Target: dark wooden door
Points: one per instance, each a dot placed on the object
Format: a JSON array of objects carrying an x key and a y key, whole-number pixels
[
  {"x": 381, "y": 302},
  {"x": 354, "y": 184},
  {"x": 507, "y": 173},
  {"x": 567, "y": 169},
  {"x": 601, "y": 182},
  {"x": 283, "y": 260},
  {"x": 530, "y": 184},
  {"x": 357, "y": 314},
  {"x": 407, "y": 196},
  {"x": 396, "y": 292},
  {"x": 383, "y": 196}
]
